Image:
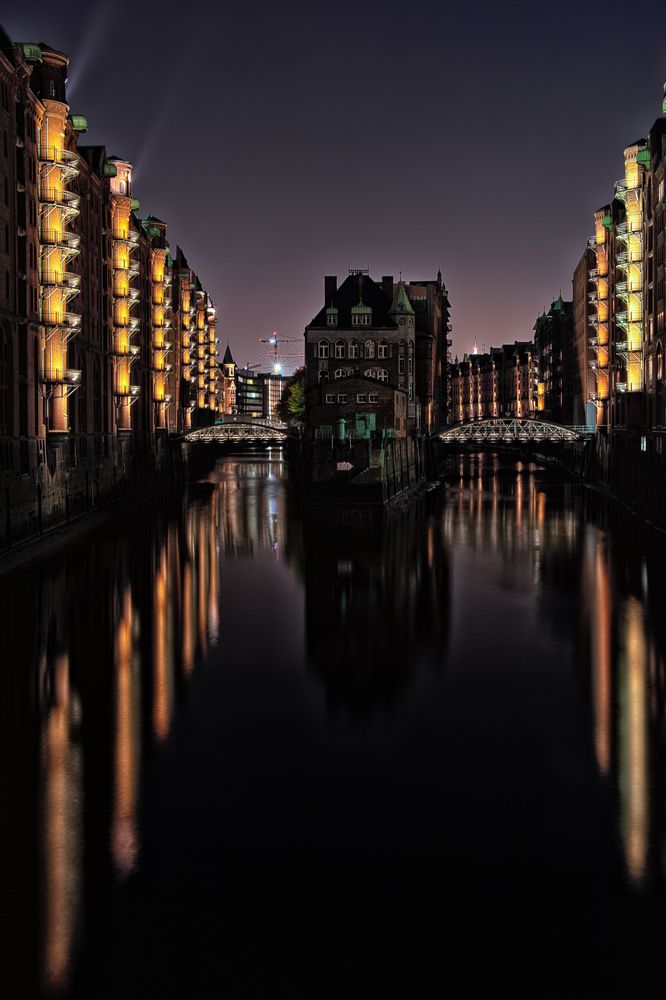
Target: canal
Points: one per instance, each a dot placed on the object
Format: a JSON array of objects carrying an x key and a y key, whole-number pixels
[{"x": 241, "y": 758}]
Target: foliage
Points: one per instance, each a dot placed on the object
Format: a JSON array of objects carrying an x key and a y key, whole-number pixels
[{"x": 292, "y": 405}]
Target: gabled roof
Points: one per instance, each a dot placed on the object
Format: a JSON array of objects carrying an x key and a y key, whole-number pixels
[
  {"x": 357, "y": 290},
  {"x": 228, "y": 357}
]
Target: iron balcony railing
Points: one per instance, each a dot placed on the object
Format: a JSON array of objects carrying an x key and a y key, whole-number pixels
[
  {"x": 64, "y": 376},
  {"x": 61, "y": 279},
  {"x": 59, "y": 237}
]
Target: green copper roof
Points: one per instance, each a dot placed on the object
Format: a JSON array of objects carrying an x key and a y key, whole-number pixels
[
  {"x": 31, "y": 51},
  {"x": 558, "y": 304},
  {"x": 331, "y": 309},
  {"x": 401, "y": 303},
  {"x": 79, "y": 123},
  {"x": 360, "y": 307},
  {"x": 607, "y": 220},
  {"x": 643, "y": 156}
]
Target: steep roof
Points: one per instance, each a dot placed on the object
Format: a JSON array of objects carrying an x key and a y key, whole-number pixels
[
  {"x": 401, "y": 304},
  {"x": 228, "y": 357},
  {"x": 356, "y": 289}
]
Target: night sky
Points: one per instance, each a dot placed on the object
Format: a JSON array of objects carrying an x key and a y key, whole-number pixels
[{"x": 284, "y": 141}]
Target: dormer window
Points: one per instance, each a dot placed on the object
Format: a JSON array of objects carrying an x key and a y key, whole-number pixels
[
  {"x": 331, "y": 316},
  {"x": 361, "y": 315}
]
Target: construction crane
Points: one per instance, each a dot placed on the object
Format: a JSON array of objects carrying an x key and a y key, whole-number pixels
[{"x": 279, "y": 356}]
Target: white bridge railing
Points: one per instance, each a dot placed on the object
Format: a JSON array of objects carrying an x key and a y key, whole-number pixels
[
  {"x": 506, "y": 429},
  {"x": 240, "y": 429}
]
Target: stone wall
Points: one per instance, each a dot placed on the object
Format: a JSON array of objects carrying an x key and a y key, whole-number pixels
[{"x": 85, "y": 473}]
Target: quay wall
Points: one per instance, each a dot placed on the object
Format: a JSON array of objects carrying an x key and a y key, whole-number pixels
[{"x": 43, "y": 489}]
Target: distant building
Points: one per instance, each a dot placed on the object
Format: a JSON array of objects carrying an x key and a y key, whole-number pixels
[
  {"x": 501, "y": 382},
  {"x": 376, "y": 357},
  {"x": 554, "y": 349},
  {"x": 227, "y": 396},
  {"x": 249, "y": 392},
  {"x": 274, "y": 386}
]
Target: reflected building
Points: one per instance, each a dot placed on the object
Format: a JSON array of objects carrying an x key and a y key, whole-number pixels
[{"x": 376, "y": 604}]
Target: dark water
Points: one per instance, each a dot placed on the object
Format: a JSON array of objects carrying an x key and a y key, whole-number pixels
[{"x": 244, "y": 760}]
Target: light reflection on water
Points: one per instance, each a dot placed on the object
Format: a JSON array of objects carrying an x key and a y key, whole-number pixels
[{"x": 121, "y": 626}]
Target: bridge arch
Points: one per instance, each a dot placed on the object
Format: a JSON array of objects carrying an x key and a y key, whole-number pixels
[
  {"x": 240, "y": 429},
  {"x": 510, "y": 430}
]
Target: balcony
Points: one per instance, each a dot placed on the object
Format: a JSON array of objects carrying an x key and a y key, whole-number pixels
[
  {"x": 131, "y": 352},
  {"x": 63, "y": 376},
  {"x": 68, "y": 201},
  {"x": 63, "y": 158},
  {"x": 59, "y": 238},
  {"x": 128, "y": 392},
  {"x": 62, "y": 279}
]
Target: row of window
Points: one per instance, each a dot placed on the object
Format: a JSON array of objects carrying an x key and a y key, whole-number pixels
[
  {"x": 362, "y": 397},
  {"x": 342, "y": 349},
  {"x": 378, "y": 373},
  {"x": 354, "y": 349},
  {"x": 358, "y": 319}
]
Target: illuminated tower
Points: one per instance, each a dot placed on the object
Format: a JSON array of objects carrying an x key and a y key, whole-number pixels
[
  {"x": 125, "y": 295},
  {"x": 629, "y": 271},
  {"x": 185, "y": 342},
  {"x": 201, "y": 348},
  {"x": 599, "y": 300},
  {"x": 161, "y": 322},
  {"x": 211, "y": 362},
  {"x": 58, "y": 208}
]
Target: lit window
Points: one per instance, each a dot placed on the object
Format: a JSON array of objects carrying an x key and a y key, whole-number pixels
[
  {"x": 323, "y": 348},
  {"x": 383, "y": 351},
  {"x": 339, "y": 348},
  {"x": 373, "y": 397}
]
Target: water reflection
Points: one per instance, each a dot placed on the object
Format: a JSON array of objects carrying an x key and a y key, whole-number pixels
[
  {"x": 119, "y": 629},
  {"x": 374, "y": 599}
]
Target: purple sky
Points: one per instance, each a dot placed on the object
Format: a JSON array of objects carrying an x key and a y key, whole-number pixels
[{"x": 283, "y": 141}]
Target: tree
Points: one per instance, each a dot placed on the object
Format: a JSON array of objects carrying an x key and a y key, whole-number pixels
[{"x": 292, "y": 405}]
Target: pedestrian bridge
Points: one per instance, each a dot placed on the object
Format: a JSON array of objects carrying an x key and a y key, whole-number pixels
[
  {"x": 501, "y": 430},
  {"x": 241, "y": 430}
]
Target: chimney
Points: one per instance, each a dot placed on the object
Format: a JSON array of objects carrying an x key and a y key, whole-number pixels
[
  {"x": 330, "y": 287},
  {"x": 387, "y": 286}
]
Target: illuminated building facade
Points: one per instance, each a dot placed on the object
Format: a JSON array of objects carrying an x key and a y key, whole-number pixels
[
  {"x": 626, "y": 293},
  {"x": 108, "y": 341},
  {"x": 501, "y": 382}
]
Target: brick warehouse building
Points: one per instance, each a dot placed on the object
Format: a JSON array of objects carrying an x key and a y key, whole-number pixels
[
  {"x": 501, "y": 382},
  {"x": 376, "y": 358},
  {"x": 107, "y": 339}
]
